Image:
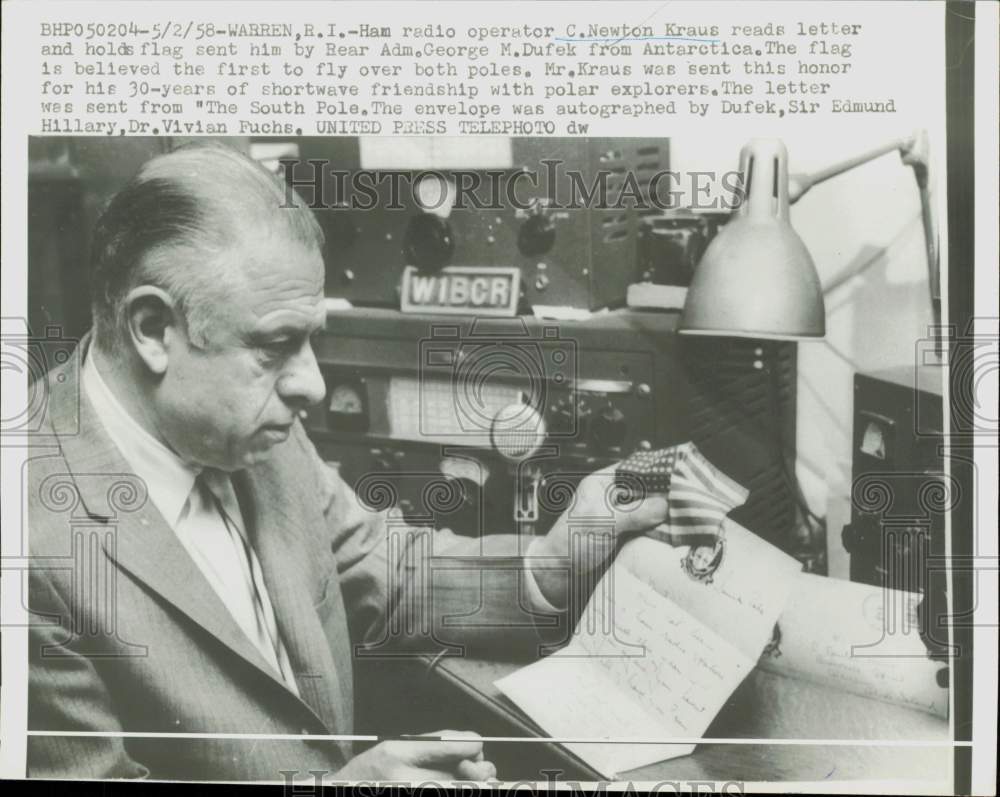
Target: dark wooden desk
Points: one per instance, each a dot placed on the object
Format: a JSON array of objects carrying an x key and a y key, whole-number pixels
[{"x": 458, "y": 693}]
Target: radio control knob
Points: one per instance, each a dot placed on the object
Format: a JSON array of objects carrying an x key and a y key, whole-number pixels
[
  {"x": 537, "y": 235},
  {"x": 429, "y": 242},
  {"x": 607, "y": 428}
]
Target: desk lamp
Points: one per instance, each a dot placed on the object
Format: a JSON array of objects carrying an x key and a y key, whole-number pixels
[{"x": 757, "y": 278}]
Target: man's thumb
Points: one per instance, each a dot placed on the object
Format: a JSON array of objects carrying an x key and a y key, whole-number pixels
[{"x": 642, "y": 515}]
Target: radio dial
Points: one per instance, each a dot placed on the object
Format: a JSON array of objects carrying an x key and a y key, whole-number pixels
[
  {"x": 429, "y": 242},
  {"x": 517, "y": 431},
  {"x": 536, "y": 236}
]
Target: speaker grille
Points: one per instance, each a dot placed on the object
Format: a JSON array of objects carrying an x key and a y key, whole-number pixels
[{"x": 742, "y": 412}]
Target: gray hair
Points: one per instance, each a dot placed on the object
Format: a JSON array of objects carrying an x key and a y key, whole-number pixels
[{"x": 169, "y": 224}]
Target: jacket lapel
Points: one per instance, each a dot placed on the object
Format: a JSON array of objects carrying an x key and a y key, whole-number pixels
[
  {"x": 274, "y": 525},
  {"x": 144, "y": 545}
]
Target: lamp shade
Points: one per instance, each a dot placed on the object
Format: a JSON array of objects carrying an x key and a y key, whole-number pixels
[{"x": 757, "y": 279}]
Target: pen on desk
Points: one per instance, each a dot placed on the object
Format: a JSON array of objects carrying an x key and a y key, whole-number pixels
[{"x": 417, "y": 737}]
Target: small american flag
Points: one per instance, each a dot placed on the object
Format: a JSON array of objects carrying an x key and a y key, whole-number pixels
[{"x": 699, "y": 495}]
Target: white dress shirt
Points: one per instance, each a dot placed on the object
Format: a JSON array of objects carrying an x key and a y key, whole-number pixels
[{"x": 217, "y": 543}]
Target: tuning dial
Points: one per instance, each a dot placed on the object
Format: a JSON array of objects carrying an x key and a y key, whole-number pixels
[
  {"x": 517, "y": 431},
  {"x": 537, "y": 235},
  {"x": 429, "y": 242},
  {"x": 607, "y": 428}
]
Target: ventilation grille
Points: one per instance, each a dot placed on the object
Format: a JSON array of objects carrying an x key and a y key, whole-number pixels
[
  {"x": 629, "y": 170},
  {"x": 614, "y": 222}
]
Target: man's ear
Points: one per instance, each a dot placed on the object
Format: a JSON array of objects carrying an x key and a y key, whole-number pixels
[{"x": 152, "y": 320}]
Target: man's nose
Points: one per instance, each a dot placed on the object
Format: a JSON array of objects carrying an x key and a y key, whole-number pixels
[{"x": 302, "y": 382}]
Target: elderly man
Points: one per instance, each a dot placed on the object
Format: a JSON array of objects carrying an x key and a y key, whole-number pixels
[{"x": 210, "y": 632}]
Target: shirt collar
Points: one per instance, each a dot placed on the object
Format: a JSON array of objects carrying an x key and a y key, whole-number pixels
[{"x": 168, "y": 478}]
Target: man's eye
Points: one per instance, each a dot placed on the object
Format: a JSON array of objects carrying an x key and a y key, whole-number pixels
[{"x": 279, "y": 348}]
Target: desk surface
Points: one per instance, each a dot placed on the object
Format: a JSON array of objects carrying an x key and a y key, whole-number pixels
[{"x": 766, "y": 706}]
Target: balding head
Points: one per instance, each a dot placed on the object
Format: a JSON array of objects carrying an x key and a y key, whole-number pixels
[{"x": 172, "y": 225}]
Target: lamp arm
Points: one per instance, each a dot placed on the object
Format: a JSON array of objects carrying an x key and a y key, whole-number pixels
[
  {"x": 914, "y": 151},
  {"x": 917, "y": 156},
  {"x": 799, "y": 184},
  {"x": 930, "y": 241}
]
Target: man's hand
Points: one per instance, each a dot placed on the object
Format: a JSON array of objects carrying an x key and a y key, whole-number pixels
[
  {"x": 460, "y": 758},
  {"x": 586, "y": 533}
]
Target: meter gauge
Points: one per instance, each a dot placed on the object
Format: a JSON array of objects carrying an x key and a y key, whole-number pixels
[
  {"x": 347, "y": 407},
  {"x": 435, "y": 194},
  {"x": 518, "y": 431}
]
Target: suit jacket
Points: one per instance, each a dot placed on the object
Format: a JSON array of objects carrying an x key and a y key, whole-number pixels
[{"x": 128, "y": 639}]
